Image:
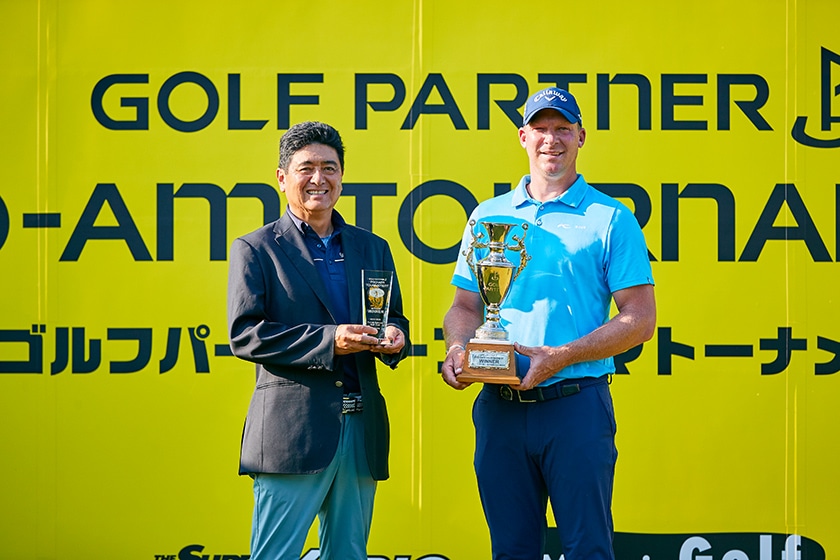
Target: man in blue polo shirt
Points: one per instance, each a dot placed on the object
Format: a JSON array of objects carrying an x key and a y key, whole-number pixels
[{"x": 552, "y": 436}]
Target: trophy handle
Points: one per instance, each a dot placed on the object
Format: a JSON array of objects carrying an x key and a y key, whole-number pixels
[
  {"x": 475, "y": 243},
  {"x": 524, "y": 257}
]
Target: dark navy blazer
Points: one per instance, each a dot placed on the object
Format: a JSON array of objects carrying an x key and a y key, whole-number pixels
[{"x": 279, "y": 317}]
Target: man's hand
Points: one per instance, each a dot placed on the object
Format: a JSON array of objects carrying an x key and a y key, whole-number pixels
[
  {"x": 394, "y": 343},
  {"x": 350, "y": 339},
  {"x": 634, "y": 324},
  {"x": 452, "y": 366},
  {"x": 545, "y": 362},
  {"x": 459, "y": 325}
]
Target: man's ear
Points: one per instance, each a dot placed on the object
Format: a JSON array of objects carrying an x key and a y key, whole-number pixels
[{"x": 281, "y": 179}]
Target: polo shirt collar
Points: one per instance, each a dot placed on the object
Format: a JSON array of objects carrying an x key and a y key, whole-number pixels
[
  {"x": 573, "y": 196},
  {"x": 338, "y": 222}
]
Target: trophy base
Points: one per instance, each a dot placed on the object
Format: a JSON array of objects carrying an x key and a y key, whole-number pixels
[{"x": 489, "y": 362}]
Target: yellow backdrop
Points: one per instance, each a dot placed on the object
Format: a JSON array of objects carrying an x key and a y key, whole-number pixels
[{"x": 140, "y": 138}]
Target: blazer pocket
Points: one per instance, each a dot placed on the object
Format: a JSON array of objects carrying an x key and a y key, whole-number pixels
[{"x": 279, "y": 382}]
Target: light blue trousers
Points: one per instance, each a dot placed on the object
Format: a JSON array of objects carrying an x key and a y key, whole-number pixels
[{"x": 285, "y": 505}]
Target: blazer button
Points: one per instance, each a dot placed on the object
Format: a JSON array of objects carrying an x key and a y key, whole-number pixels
[{"x": 339, "y": 384}]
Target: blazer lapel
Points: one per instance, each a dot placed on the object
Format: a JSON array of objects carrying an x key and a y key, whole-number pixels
[{"x": 291, "y": 242}]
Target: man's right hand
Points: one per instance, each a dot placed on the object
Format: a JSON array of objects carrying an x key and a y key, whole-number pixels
[
  {"x": 452, "y": 366},
  {"x": 350, "y": 339}
]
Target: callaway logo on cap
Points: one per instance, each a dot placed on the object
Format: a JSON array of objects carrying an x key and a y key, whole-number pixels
[{"x": 552, "y": 98}]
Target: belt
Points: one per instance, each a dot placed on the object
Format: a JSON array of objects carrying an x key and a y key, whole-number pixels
[
  {"x": 351, "y": 403},
  {"x": 565, "y": 388}
]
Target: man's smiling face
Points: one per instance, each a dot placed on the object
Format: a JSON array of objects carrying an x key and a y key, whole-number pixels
[
  {"x": 552, "y": 143},
  {"x": 312, "y": 182}
]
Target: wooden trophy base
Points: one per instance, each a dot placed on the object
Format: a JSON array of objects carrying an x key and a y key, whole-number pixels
[{"x": 489, "y": 362}]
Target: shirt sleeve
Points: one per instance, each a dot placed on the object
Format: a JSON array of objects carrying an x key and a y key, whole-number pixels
[{"x": 628, "y": 263}]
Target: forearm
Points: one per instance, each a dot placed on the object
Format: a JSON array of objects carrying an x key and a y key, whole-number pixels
[
  {"x": 633, "y": 325},
  {"x": 459, "y": 325},
  {"x": 623, "y": 332},
  {"x": 281, "y": 345}
]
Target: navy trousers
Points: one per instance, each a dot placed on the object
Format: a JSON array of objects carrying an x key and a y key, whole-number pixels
[{"x": 561, "y": 449}]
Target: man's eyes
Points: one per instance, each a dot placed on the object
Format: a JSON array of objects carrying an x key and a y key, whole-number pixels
[{"x": 311, "y": 170}]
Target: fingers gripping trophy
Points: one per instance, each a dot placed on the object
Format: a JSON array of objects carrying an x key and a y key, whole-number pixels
[{"x": 490, "y": 356}]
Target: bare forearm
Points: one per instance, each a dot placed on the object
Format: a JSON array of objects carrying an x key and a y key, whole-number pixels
[
  {"x": 621, "y": 333},
  {"x": 459, "y": 325},
  {"x": 633, "y": 325}
]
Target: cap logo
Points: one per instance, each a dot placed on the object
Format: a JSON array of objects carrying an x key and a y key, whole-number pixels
[
  {"x": 550, "y": 94},
  {"x": 552, "y": 98}
]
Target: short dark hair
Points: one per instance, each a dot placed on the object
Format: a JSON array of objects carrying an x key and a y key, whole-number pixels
[{"x": 306, "y": 133}]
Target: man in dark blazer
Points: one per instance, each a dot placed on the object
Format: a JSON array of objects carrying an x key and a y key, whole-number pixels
[{"x": 316, "y": 437}]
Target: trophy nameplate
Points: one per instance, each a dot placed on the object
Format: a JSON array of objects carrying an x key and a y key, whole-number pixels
[
  {"x": 376, "y": 299},
  {"x": 489, "y": 362},
  {"x": 489, "y": 357}
]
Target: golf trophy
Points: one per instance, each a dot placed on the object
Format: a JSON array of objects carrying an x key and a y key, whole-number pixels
[
  {"x": 376, "y": 299},
  {"x": 489, "y": 356}
]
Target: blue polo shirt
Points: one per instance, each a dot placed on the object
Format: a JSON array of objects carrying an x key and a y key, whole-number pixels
[
  {"x": 584, "y": 245},
  {"x": 328, "y": 256}
]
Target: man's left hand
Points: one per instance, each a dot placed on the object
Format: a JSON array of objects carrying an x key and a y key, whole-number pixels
[
  {"x": 395, "y": 340},
  {"x": 545, "y": 362}
]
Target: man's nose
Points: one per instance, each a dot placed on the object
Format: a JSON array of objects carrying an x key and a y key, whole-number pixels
[
  {"x": 552, "y": 137},
  {"x": 317, "y": 177}
]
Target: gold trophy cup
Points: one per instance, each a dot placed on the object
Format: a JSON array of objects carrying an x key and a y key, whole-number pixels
[{"x": 489, "y": 356}]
